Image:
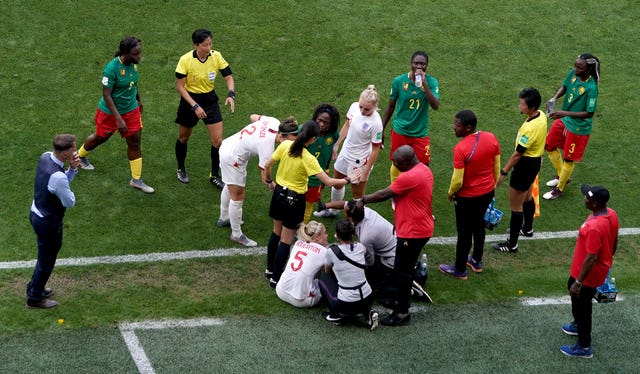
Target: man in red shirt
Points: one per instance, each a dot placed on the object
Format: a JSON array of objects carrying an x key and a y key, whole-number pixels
[
  {"x": 592, "y": 258},
  {"x": 413, "y": 219},
  {"x": 476, "y": 169}
]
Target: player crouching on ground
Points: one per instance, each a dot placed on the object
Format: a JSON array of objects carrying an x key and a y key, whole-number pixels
[
  {"x": 343, "y": 284},
  {"x": 379, "y": 238}
]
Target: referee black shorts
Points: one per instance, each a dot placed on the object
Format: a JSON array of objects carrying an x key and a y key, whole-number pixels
[
  {"x": 287, "y": 206},
  {"x": 207, "y": 101},
  {"x": 525, "y": 172}
]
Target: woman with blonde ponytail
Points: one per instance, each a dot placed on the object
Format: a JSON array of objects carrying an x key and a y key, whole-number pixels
[
  {"x": 298, "y": 284},
  {"x": 362, "y": 135}
]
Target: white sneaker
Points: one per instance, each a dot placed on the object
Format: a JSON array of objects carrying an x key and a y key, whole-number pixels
[
  {"x": 140, "y": 185},
  {"x": 85, "y": 164},
  {"x": 553, "y": 182},
  {"x": 327, "y": 213},
  {"x": 242, "y": 239},
  {"x": 373, "y": 319},
  {"x": 553, "y": 194}
]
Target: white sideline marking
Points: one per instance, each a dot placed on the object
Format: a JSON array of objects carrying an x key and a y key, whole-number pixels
[
  {"x": 127, "y": 329},
  {"x": 536, "y": 301},
  {"x": 562, "y": 300},
  {"x": 224, "y": 252}
]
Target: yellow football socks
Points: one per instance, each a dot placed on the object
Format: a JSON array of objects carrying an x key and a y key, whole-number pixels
[
  {"x": 82, "y": 152},
  {"x": 307, "y": 211},
  {"x": 556, "y": 160},
  {"x": 565, "y": 174},
  {"x": 136, "y": 168}
]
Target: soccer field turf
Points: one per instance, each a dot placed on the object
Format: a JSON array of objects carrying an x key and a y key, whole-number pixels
[{"x": 287, "y": 57}]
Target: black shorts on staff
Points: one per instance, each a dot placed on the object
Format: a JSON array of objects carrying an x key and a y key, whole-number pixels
[
  {"x": 524, "y": 173},
  {"x": 287, "y": 206},
  {"x": 207, "y": 101}
]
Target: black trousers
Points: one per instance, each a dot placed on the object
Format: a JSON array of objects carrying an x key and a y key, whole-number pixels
[
  {"x": 581, "y": 308},
  {"x": 471, "y": 228},
  {"x": 407, "y": 252},
  {"x": 49, "y": 235}
]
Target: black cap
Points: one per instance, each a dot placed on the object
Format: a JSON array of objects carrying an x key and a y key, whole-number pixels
[{"x": 595, "y": 193}]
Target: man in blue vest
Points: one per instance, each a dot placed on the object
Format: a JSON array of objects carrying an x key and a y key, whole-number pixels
[{"x": 51, "y": 197}]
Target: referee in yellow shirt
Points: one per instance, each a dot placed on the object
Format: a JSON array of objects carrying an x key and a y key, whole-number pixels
[{"x": 195, "y": 80}]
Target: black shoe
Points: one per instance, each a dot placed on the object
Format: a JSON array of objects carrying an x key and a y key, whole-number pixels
[
  {"x": 272, "y": 283},
  {"x": 216, "y": 180},
  {"x": 505, "y": 247},
  {"x": 396, "y": 319},
  {"x": 333, "y": 319},
  {"x": 42, "y": 304},
  {"x": 418, "y": 293},
  {"x": 268, "y": 274}
]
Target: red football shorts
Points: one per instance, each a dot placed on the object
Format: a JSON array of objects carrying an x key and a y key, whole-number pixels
[
  {"x": 313, "y": 194},
  {"x": 572, "y": 145},
  {"x": 106, "y": 124},
  {"x": 421, "y": 146}
]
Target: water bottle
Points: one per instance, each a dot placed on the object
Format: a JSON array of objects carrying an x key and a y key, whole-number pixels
[
  {"x": 421, "y": 274},
  {"x": 418, "y": 78},
  {"x": 552, "y": 106}
]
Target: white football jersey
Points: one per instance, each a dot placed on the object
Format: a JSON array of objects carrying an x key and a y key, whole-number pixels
[
  {"x": 255, "y": 139},
  {"x": 363, "y": 131},
  {"x": 305, "y": 260}
]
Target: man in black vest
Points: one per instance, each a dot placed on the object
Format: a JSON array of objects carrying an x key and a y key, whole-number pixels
[{"x": 51, "y": 197}]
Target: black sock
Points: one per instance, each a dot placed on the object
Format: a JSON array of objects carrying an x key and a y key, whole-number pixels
[
  {"x": 528, "y": 210},
  {"x": 215, "y": 161},
  {"x": 272, "y": 248},
  {"x": 181, "y": 153},
  {"x": 514, "y": 228},
  {"x": 280, "y": 261}
]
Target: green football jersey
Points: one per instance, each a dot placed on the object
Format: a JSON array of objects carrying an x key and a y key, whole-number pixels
[
  {"x": 123, "y": 81},
  {"x": 412, "y": 108},
  {"x": 579, "y": 97},
  {"x": 322, "y": 149}
]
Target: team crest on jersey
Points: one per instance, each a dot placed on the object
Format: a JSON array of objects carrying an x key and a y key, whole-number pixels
[
  {"x": 329, "y": 141},
  {"x": 581, "y": 90},
  {"x": 122, "y": 72},
  {"x": 405, "y": 86},
  {"x": 135, "y": 67},
  {"x": 366, "y": 126}
]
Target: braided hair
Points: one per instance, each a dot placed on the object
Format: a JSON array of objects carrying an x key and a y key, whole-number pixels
[
  {"x": 126, "y": 45},
  {"x": 593, "y": 65}
]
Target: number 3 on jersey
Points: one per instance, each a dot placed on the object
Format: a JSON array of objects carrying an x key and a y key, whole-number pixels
[{"x": 298, "y": 260}]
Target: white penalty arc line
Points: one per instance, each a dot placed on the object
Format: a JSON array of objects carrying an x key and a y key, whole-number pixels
[
  {"x": 127, "y": 330},
  {"x": 224, "y": 252}
]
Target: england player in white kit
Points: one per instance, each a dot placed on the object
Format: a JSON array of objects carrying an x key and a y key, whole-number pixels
[
  {"x": 362, "y": 135},
  {"x": 298, "y": 284},
  {"x": 256, "y": 139}
]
